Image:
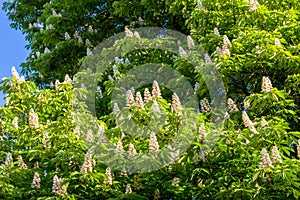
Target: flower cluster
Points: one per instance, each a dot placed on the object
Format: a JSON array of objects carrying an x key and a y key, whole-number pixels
[
  {"x": 8, "y": 159},
  {"x": 216, "y": 31},
  {"x": 132, "y": 150},
  {"x": 190, "y": 42},
  {"x": 57, "y": 188},
  {"x": 46, "y": 143},
  {"x": 266, "y": 85},
  {"x": 128, "y": 189},
  {"x": 147, "y": 95},
  {"x": 253, "y": 4},
  {"x": 182, "y": 52},
  {"x": 36, "y": 181},
  {"x": 204, "y": 105},
  {"x": 207, "y": 58},
  {"x": 232, "y": 106},
  {"x": 68, "y": 79},
  {"x": 199, "y": 4},
  {"x": 15, "y": 122},
  {"x": 88, "y": 52},
  {"x": 21, "y": 164},
  {"x": 176, "y": 105},
  {"x": 275, "y": 155},
  {"x": 248, "y": 123},
  {"x": 153, "y": 144},
  {"x": 33, "y": 119},
  {"x": 116, "y": 107},
  {"x": 128, "y": 32},
  {"x": 109, "y": 176},
  {"x": 266, "y": 161},
  {"x": 55, "y": 14},
  {"x": 129, "y": 98},
  {"x": 298, "y": 149},
  {"x": 119, "y": 149},
  {"x": 139, "y": 101},
  {"x": 156, "y": 90},
  {"x": 246, "y": 104},
  {"x": 87, "y": 163},
  {"x": 67, "y": 36},
  {"x": 14, "y": 73},
  {"x": 89, "y": 137}
]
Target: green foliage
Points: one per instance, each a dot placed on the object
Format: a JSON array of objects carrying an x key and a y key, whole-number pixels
[{"x": 264, "y": 43}]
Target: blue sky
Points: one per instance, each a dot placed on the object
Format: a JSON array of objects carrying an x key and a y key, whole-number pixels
[{"x": 12, "y": 49}]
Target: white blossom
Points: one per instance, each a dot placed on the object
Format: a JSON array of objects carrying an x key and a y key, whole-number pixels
[
  {"x": 129, "y": 98},
  {"x": 89, "y": 137},
  {"x": 153, "y": 144},
  {"x": 68, "y": 79},
  {"x": 15, "y": 122},
  {"x": 90, "y": 29},
  {"x": 266, "y": 161},
  {"x": 88, "y": 43},
  {"x": 190, "y": 42},
  {"x": 46, "y": 50},
  {"x": 207, "y": 58},
  {"x": 57, "y": 83},
  {"x": 176, "y": 104},
  {"x": 8, "y": 159},
  {"x": 182, "y": 52},
  {"x": 276, "y": 158},
  {"x": 87, "y": 165},
  {"x": 156, "y": 195},
  {"x": 67, "y": 36},
  {"x": 14, "y": 73},
  {"x": 232, "y": 106},
  {"x": 205, "y": 106},
  {"x": 136, "y": 34},
  {"x": 109, "y": 176},
  {"x": 21, "y": 164},
  {"x": 33, "y": 119},
  {"x": 80, "y": 40},
  {"x": 253, "y": 5},
  {"x": 57, "y": 187},
  {"x": 128, "y": 189},
  {"x": 75, "y": 35},
  {"x": 128, "y": 32},
  {"x": 88, "y": 52},
  {"x": 147, "y": 95},
  {"x": 132, "y": 150},
  {"x": 156, "y": 90},
  {"x": 216, "y": 31},
  {"x": 119, "y": 149},
  {"x": 116, "y": 107},
  {"x": 139, "y": 101},
  {"x": 199, "y": 4},
  {"x": 298, "y": 149},
  {"x": 248, "y": 123},
  {"x": 36, "y": 181},
  {"x": 266, "y": 85}
]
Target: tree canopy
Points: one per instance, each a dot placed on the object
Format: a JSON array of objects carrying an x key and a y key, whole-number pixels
[{"x": 50, "y": 138}]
